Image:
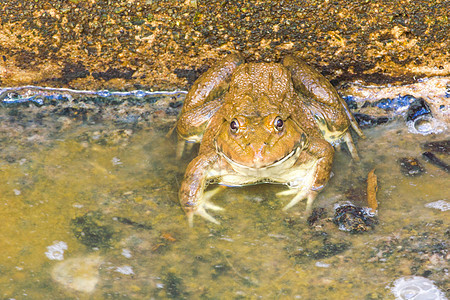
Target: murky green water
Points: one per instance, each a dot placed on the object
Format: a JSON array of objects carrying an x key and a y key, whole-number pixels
[{"x": 108, "y": 190}]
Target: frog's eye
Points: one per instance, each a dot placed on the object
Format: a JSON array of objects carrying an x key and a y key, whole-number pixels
[
  {"x": 234, "y": 126},
  {"x": 278, "y": 124}
]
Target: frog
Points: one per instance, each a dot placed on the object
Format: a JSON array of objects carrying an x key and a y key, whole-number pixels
[{"x": 261, "y": 122}]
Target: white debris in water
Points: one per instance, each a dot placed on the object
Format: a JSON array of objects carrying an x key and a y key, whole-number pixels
[
  {"x": 79, "y": 273},
  {"x": 116, "y": 161},
  {"x": 322, "y": 265},
  {"x": 126, "y": 253},
  {"x": 56, "y": 251},
  {"x": 425, "y": 125},
  {"x": 416, "y": 288},
  {"x": 126, "y": 270},
  {"x": 440, "y": 204}
]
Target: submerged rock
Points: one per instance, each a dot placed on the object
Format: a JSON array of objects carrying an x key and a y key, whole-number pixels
[
  {"x": 438, "y": 146},
  {"x": 430, "y": 157},
  {"x": 317, "y": 214},
  {"x": 410, "y": 166},
  {"x": 93, "y": 231},
  {"x": 353, "y": 218},
  {"x": 366, "y": 121},
  {"x": 80, "y": 273},
  {"x": 419, "y": 119},
  {"x": 418, "y": 108}
]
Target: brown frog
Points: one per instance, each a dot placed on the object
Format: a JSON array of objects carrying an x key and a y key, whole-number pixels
[{"x": 261, "y": 123}]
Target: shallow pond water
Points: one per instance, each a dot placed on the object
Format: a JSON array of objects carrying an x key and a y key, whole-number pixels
[{"x": 89, "y": 209}]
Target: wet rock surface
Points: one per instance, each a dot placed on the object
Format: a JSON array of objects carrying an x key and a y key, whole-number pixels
[{"x": 165, "y": 44}]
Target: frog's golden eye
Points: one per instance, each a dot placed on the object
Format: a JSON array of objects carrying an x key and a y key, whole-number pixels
[
  {"x": 278, "y": 123},
  {"x": 234, "y": 126}
]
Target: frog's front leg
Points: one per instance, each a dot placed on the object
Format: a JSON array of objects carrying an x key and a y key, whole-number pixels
[
  {"x": 193, "y": 199},
  {"x": 191, "y": 124},
  {"x": 316, "y": 181}
]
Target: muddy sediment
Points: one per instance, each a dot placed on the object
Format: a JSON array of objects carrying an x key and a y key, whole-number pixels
[{"x": 158, "y": 45}]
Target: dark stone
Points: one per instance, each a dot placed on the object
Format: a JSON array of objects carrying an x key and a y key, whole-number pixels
[
  {"x": 366, "y": 121},
  {"x": 430, "y": 157},
  {"x": 438, "y": 146},
  {"x": 417, "y": 108},
  {"x": 353, "y": 219},
  {"x": 410, "y": 166},
  {"x": 317, "y": 214}
]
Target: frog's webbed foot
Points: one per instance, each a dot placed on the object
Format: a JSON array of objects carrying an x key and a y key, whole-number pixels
[
  {"x": 302, "y": 194},
  {"x": 287, "y": 192},
  {"x": 201, "y": 211},
  {"x": 205, "y": 204},
  {"x": 350, "y": 145}
]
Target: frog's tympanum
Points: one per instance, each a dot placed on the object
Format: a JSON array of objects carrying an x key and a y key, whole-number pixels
[{"x": 261, "y": 123}]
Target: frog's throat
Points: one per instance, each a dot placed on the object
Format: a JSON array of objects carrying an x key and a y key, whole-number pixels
[{"x": 283, "y": 163}]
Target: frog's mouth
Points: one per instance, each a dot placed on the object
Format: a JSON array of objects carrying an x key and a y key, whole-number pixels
[{"x": 280, "y": 164}]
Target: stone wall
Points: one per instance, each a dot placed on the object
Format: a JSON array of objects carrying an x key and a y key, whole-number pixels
[{"x": 149, "y": 44}]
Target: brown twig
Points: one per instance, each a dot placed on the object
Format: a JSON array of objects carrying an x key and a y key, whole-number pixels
[{"x": 372, "y": 188}]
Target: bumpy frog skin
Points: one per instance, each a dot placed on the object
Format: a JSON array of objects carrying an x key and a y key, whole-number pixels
[{"x": 259, "y": 123}]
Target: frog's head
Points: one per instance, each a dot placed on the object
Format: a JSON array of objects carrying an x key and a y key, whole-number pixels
[
  {"x": 257, "y": 129},
  {"x": 259, "y": 136}
]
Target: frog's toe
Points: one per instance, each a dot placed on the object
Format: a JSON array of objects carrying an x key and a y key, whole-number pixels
[
  {"x": 286, "y": 192},
  {"x": 351, "y": 146},
  {"x": 309, "y": 195},
  {"x": 210, "y": 205},
  {"x": 299, "y": 197},
  {"x": 200, "y": 211},
  {"x": 209, "y": 194}
]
